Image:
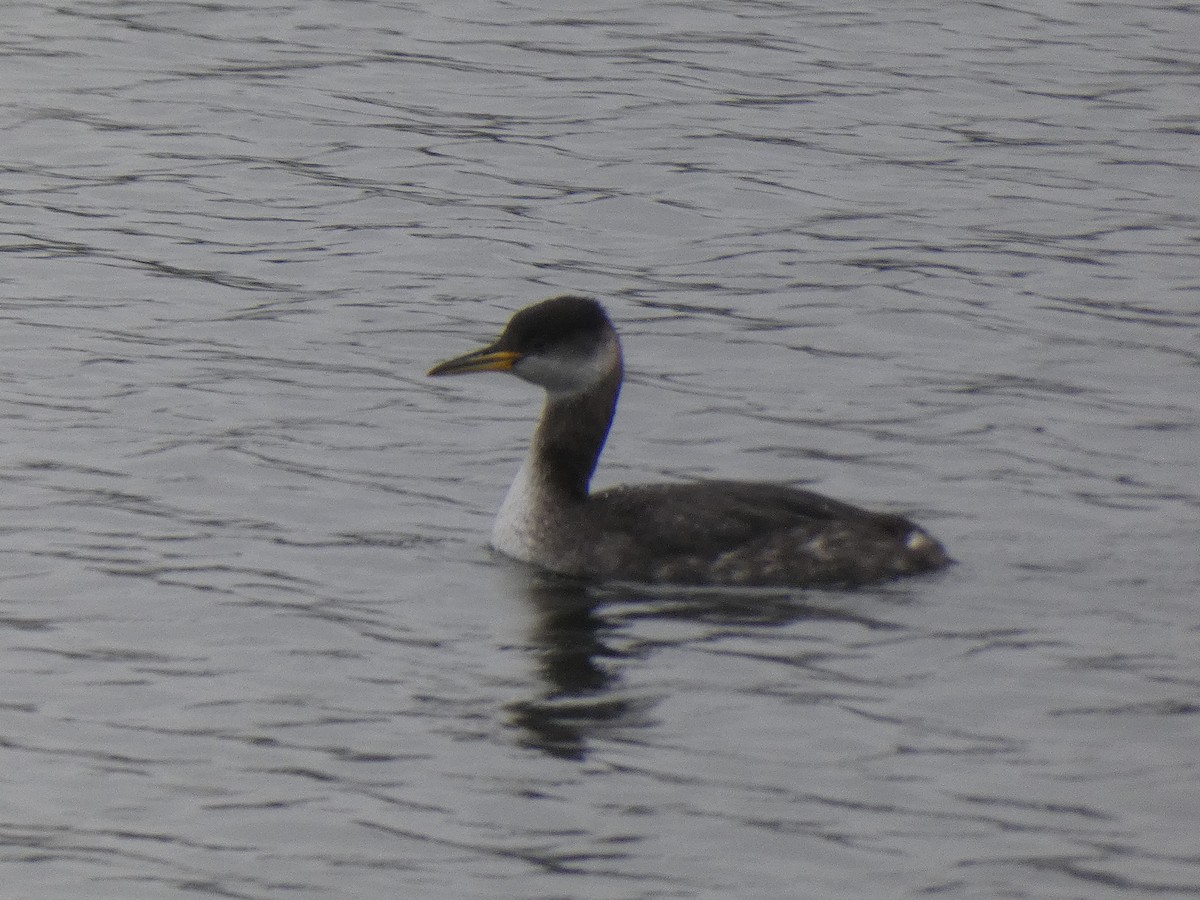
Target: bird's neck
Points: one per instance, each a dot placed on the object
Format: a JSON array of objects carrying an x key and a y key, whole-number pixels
[{"x": 571, "y": 434}]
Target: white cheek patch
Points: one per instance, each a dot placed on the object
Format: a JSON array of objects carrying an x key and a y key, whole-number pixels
[
  {"x": 568, "y": 372},
  {"x": 557, "y": 374}
]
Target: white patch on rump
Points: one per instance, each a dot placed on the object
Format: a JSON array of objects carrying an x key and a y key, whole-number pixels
[{"x": 918, "y": 541}]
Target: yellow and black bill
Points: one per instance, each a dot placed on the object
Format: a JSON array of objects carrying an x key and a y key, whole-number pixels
[{"x": 487, "y": 359}]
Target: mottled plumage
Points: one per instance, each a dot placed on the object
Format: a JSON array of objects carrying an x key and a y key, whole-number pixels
[{"x": 709, "y": 532}]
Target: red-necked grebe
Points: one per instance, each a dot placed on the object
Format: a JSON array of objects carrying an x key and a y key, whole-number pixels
[{"x": 707, "y": 532}]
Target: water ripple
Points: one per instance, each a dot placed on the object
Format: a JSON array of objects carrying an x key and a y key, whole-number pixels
[{"x": 934, "y": 258}]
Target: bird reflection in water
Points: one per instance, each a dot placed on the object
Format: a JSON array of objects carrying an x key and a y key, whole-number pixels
[
  {"x": 580, "y": 696},
  {"x": 581, "y": 638}
]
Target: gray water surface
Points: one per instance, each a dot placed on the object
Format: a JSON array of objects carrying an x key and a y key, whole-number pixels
[{"x": 934, "y": 258}]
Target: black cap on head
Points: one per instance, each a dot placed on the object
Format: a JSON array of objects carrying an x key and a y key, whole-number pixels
[{"x": 559, "y": 320}]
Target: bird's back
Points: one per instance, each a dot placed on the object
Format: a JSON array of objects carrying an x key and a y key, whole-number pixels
[{"x": 743, "y": 533}]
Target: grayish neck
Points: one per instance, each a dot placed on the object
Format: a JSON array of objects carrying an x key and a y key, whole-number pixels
[{"x": 571, "y": 434}]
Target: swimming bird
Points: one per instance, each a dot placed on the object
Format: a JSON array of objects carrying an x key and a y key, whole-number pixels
[{"x": 690, "y": 533}]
